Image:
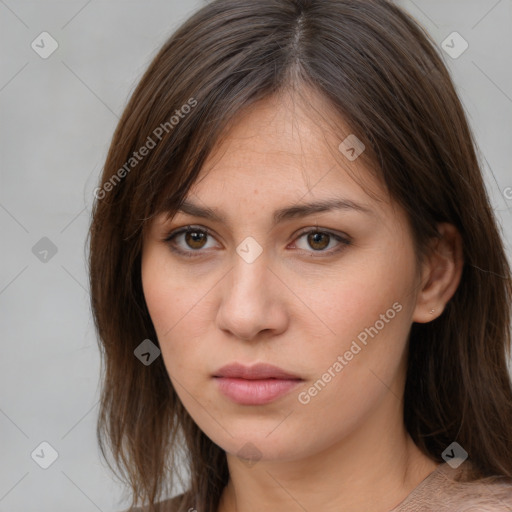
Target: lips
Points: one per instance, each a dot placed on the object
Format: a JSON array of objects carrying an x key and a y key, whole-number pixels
[
  {"x": 255, "y": 372},
  {"x": 254, "y": 385}
]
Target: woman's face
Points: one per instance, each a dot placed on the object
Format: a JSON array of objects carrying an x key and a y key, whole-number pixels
[{"x": 326, "y": 295}]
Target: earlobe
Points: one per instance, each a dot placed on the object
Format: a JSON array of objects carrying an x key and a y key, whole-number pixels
[{"x": 441, "y": 274}]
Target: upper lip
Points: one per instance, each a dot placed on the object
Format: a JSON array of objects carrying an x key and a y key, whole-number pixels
[{"x": 256, "y": 371}]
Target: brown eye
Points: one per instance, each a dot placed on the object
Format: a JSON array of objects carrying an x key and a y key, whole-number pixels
[
  {"x": 321, "y": 243},
  {"x": 195, "y": 239},
  {"x": 318, "y": 240},
  {"x": 190, "y": 241},
  {"x": 193, "y": 242}
]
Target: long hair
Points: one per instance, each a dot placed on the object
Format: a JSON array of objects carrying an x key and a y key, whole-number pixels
[{"x": 381, "y": 73}]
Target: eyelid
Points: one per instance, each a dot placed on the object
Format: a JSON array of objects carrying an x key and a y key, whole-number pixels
[
  {"x": 184, "y": 229},
  {"x": 168, "y": 239},
  {"x": 343, "y": 239}
]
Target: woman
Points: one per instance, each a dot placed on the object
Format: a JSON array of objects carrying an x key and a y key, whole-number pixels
[{"x": 297, "y": 279}]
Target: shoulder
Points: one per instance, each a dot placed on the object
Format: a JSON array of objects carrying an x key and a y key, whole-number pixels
[
  {"x": 482, "y": 496},
  {"x": 452, "y": 490},
  {"x": 492, "y": 494},
  {"x": 180, "y": 503}
]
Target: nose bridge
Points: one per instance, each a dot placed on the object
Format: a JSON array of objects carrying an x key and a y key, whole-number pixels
[
  {"x": 248, "y": 298},
  {"x": 249, "y": 274}
]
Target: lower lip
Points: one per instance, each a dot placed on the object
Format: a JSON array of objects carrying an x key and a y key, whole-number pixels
[{"x": 255, "y": 392}]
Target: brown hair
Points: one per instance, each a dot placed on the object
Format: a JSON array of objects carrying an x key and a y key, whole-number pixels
[{"x": 381, "y": 73}]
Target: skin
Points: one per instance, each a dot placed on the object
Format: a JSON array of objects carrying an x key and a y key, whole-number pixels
[{"x": 297, "y": 308}]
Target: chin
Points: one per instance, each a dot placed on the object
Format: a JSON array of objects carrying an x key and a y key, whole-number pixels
[{"x": 256, "y": 444}]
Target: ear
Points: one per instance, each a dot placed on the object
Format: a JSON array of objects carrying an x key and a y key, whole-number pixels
[{"x": 440, "y": 274}]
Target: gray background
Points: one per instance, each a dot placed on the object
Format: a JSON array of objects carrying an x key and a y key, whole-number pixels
[{"x": 57, "y": 118}]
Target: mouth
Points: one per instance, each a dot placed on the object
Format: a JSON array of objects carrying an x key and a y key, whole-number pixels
[{"x": 254, "y": 385}]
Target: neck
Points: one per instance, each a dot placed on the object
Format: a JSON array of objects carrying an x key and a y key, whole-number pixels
[{"x": 374, "y": 468}]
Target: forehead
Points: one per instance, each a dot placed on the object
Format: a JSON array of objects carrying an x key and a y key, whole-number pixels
[
  {"x": 277, "y": 156},
  {"x": 293, "y": 124},
  {"x": 287, "y": 146}
]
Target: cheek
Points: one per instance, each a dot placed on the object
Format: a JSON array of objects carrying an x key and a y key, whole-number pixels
[
  {"x": 368, "y": 309},
  {"x": 165, "y": 292},
  {"x": 359, "y": 366},
  {"x": 373, "y": 292},
  {"x": 175, "y": 305}
]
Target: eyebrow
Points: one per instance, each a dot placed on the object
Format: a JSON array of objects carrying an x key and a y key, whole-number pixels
[{"x": 283, "y": 214}]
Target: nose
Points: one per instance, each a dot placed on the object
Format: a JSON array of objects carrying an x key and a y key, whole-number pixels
[{"x": 252, "y": 300}]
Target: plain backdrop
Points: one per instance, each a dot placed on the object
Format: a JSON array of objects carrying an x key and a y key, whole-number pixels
[{"x": 58, "y": 115}]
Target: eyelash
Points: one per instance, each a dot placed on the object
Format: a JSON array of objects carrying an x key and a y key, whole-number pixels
[{"x": 169, "y": 239}]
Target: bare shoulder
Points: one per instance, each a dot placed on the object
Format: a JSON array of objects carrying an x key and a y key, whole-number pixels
[{"x": 176, "y": 504}]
